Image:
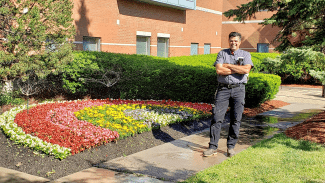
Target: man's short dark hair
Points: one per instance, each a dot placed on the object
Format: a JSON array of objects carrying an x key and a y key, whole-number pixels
[{"x": 235, "y": 34}]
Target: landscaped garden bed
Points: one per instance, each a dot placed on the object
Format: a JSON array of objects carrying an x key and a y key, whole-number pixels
[
  {"x": 32, "y": 161},
  {"x": 65, "y": 128}
]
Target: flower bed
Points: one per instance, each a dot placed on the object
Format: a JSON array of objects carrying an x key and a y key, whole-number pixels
[{"x": 65, "y": 128}]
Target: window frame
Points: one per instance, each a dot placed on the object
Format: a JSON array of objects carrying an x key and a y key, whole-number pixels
[
  {"x": 166, "y": 45},
  {"x": 197, "y": 49},
  {"x": 97, "y": 41},
  {"x": 207, "y": 44},
  {"x": 258, "y": 48},
  {"x": 147, "y": 52}
]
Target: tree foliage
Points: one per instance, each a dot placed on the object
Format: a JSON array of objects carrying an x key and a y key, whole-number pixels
[
  {"x": 320, "y": 75},
  {"x": 302, "y": 18},
  {"x": 34, "y": 37},
  {"x": 295, "y": 65}
]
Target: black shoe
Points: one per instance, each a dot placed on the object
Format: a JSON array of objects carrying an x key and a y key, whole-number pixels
[
  {"x": 230, "y": 152},
  {"x": 210, "y": 152}
]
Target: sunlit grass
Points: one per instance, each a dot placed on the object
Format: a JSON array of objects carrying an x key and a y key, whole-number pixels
[{"x": 279, "y": 159}]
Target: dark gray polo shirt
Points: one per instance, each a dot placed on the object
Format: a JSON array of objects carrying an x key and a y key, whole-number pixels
[{"x": 225, "y": 57}]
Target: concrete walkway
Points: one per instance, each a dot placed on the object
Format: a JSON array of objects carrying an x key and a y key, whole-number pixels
[
  {"x": 300, "y": 99},
  {"x": 179, "y": 159}
]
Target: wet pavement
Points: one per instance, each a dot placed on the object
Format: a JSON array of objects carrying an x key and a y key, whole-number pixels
[
  {"x": 100, "y": 175},
  {"x": 174, "y": 161},
  {"x": 179, "y": 159}
]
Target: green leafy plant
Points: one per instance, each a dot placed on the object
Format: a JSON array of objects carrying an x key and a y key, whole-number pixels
[
  {"x": 272, "y": 65},
  {"x": 258, "y": 58},
  {"x": 320, "y": 75},
  {"x": 10, "y": 98},
  {"x": 34, "y": 37},
  {"x": 295, "y": 64}
]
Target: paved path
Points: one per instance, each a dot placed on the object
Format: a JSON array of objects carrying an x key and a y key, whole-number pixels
[
  {"x": 301, "y": 99},
  {"x": 297, "y": 95},
  {"x": 179, "y": 159}
]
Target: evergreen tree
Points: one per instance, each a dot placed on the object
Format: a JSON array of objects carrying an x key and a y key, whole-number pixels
[
  {"x": 34, "y": 37},
  {"x": 303, "y": 18}
]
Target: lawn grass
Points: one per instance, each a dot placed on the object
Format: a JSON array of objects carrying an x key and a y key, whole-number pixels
[{"x": 278, "y": 159}]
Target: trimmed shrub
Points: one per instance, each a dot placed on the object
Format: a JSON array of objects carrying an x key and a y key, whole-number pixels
[
  {"x": 195, "y": 60},
  {"x": 209, "y": 59},
  {"x": 260, "y": 88},
  {"x": 148, "y": 77},
  {"x": 142, "y": 77}
]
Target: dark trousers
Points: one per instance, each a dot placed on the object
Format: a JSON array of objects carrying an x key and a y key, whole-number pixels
[{"x": 235, "y": 99}]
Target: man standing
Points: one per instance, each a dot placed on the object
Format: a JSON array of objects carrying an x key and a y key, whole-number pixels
[{"x": 232, "y": 66}]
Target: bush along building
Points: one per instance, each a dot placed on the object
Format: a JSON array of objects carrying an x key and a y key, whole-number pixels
[{"x": 165, "y": 28}]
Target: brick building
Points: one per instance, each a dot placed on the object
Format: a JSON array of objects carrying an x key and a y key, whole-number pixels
[{"x": 165, "y": 28}]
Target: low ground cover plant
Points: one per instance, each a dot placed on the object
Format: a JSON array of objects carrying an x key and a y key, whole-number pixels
[{"x": 65, "y": 128}]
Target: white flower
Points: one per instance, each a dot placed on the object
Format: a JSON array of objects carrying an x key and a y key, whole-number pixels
[{"x": 17, "y": 134}]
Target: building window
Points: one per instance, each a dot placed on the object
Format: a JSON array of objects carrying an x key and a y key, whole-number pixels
[
  {"x": 143, "y": 45},
  {"x": 162, "y": 47},
  {"x": 263, "y": 47},
  {"x": 91, "y": 43},
  {"x": 207, "y": 48},
  {"x": 194, "y": 48}
]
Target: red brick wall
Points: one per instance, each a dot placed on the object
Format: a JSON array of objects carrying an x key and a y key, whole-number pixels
[
  {"x": 252, "y": 33},
  {"x": 99, "y": 19}
]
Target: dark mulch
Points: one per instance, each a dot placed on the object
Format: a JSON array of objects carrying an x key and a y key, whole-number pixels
[{"x": 312, "y": 129}]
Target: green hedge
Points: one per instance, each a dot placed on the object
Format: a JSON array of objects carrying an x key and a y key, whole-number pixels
[
  {"x": 188, "y": 78},
  {"x": 195, "y": 60},
  {"x": 143, "y": 77},
  {"x": 209, "y": 59},
  {"x": 260, "y": 88}
]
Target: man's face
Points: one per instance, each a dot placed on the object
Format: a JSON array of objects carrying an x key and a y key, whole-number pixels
[{"x": 234, "y": 43}]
